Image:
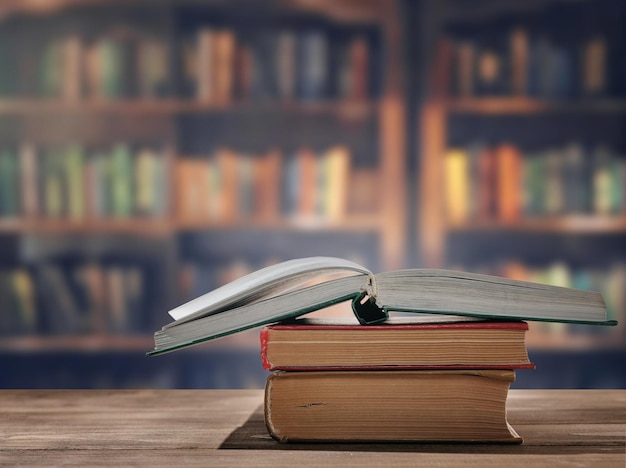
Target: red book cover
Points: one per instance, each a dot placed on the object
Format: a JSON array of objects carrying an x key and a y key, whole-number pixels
[{"x": 315, "y": 344}]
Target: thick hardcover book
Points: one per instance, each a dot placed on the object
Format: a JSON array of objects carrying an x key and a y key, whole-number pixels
[
  {"x": 399, "y": 343},
  {"x": 393, "y": 406},
  {"x": 284, "y": 291}
]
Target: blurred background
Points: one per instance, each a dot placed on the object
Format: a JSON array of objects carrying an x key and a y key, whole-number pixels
[{"x": 151, "y": 151}]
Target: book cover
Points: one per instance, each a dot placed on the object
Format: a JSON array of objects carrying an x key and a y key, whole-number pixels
[
  {"x": 408, "y": 406},
  {"x": 122, "y": 183},
  {"x": 227, "y": 162},
  {"x": 29, "y": 177},
  {"x": 535, "y": 184},
  {"x": 313, "y": 65},
  {"x": 487, "y": 183},
  {"x": 152, "y": 68},
  {"x": 283, "y": 291},
  {"x": 72, "y": 80},
  {"x": 519, "y": 61},
  {"x": 399, "y": 343},
  {"x": 206, "y": 73},
  {"x": 268, "y": 171},
  {"x": 335, "y": 173},
  {"x": 456, "y": 169},
  {"x": 9, "y": 188},
  {"x": 223, "y": 66},
  {"x": 307, "y": 184},
  {"x": 286, "y": 45},
  {"x": 74, "y": 168},
  {"x": 144, "y": 174},
  {"x": 509, "y": 177}
]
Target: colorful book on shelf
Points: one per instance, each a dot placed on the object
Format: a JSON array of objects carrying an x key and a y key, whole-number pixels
[
  {"x": 267, "y": 185},
  {"x": 313, "y": 65},
  {"x": 278, "y": 293},
  {"x": 152, "y": 67},
  {"x": 334, "y": 175},
  {"x": 509, "y": 187},
  {"x": 18, "y": 302},
  {"x": 225, "y": 48},
  {"x": 286, "y": 44},
  {"x": 594, "y": 59},
  {"x": 428, "y": 342},
  {"x": 74, "y": 163},
  {"x": 351, "y": 78},
  {"x": 410, "y": 405},
  {"x": 9, "y": 184},
  {"x": 457, "y": 180},
  {"x": 29, "y": 168},
  {"x": 519, "y": 61},
  {"x": 121, "y": 181}
]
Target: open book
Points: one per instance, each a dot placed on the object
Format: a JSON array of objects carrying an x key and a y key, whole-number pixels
[{"x": 284, "y": 291}]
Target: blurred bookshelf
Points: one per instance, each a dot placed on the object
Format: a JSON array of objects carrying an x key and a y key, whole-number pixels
[
  {"x": 151, "y": 151},
  {"x": 522, "y": 165}
]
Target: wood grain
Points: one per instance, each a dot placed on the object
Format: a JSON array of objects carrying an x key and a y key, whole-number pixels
[{"x": 225, "y": 428}]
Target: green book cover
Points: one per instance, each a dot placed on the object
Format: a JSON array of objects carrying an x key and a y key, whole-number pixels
[
  {"x": 145, "y": 183},
  {"x": 74, "y": 165},
  {"x": 122, "y": 186},
  {"x": 9, "y": 189},
  {"x": 279, "y": 292},
  {"x": 53, "y": 184},
  {"x": 51, "y": 71},
  {"x": 111, "y": 68}
]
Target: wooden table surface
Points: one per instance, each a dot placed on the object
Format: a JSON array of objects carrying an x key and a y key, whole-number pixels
[{"x": 225, "y": 428}]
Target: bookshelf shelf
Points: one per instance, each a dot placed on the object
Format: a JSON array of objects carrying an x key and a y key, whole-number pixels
[
  {"x": 156, "y": 227},
  {"x": 525, "y": 105},
  {"x": 165, "y": 227},
  {"x": 83, "y": 343},
  {"x": 361, "y": 12},
  {"x": 362, "y": 223},
  {"x": 172, "y": 107},
  {"x": 562, "y": 225}
]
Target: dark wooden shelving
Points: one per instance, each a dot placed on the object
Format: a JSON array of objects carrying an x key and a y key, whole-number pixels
[
  {"x": 567, "y": 224},
  {"x": 526, "y": 105}
]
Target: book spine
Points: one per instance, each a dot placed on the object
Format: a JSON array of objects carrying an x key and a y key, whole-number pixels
[
  {"x": 29, "y": 178},
  {"x": 456, "y": 185},
  {"x": 264, "y": 341},
  {"x": 509, "y": 183}
]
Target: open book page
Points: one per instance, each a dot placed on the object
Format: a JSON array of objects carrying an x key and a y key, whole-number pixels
[
  {"x": 461, "y": 293},
  {"x": 292, "y": 304},
  {"x": 264, "y": 283}
]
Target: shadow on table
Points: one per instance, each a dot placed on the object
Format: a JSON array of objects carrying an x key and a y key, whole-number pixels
[{"x": 253, "y": 435}]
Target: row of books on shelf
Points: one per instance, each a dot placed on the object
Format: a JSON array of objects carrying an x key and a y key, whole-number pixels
[
  {"x": 283, "y": 64},
  {"x": 527, "y": 63},
  {"x": 502, "y": 182},
  {"x": 75, "y": 183},
  {"x": 609, "y": 280},
  {"x": 84, "y": 298},
  {"x": 121, "y": 182},
  {"x": 215, "y": 64},
  {"x": 304, "y": 186}
]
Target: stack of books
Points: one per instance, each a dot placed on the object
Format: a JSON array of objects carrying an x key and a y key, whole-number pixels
[{"x": 435, "y": 379}]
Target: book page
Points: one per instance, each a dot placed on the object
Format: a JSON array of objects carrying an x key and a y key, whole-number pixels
[{"x": 263, "y": 283}]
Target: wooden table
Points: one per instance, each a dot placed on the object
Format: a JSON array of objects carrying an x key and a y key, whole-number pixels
[{"x": 225, "y": 428}]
